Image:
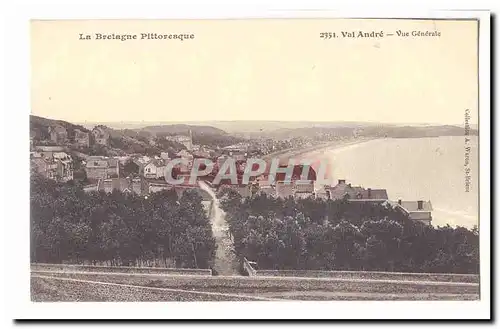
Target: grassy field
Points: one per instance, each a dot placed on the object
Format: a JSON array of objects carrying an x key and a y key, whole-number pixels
[{"x": 88, "y": 286}]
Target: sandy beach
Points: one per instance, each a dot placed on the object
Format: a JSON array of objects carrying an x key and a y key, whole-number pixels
[{"x": 315, "y": 150}]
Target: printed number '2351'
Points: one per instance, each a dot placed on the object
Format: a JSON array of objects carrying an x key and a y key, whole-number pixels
[{"x": 327, "y": 35}]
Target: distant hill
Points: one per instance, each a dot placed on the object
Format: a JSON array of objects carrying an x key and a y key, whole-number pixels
[
  {"x": 415, "y": 132},
  {"x": 133, "y": 138},
  {"x": 181, "y": 129},
  {"x": 392, "y": 131},
  {"x": 290, "y": 129}
]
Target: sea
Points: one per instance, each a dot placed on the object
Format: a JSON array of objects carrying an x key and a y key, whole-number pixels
[{"x": 431, "y": 169}]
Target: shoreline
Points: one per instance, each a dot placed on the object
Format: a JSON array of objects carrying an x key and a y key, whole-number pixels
[{"x": 316, "y": 148}]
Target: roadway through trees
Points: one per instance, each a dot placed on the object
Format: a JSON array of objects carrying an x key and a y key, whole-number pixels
[{"x": 225, "y": 262}]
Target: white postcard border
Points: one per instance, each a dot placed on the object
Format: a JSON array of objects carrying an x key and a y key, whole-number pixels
[{"x": 17, "y": 211}]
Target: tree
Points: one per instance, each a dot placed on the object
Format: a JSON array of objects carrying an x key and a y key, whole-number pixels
[
  {"x": 344, "y": 235},
  {"x": 68, "y": 225},
  {"x": 130, "y": 168}
]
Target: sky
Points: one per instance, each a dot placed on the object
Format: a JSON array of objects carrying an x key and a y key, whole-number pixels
[{"x": 259, "y": 69}]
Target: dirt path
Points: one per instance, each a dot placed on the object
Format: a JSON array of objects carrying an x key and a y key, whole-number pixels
[{"x": 226, "y": 262}]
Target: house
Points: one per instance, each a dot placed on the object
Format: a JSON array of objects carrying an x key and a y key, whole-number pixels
[
  {"x": 416, "y": 210},
  {"x": 154, "y": 187},
  {"x": 82, "y": 138},
  {"x": 58, "y": 166},
  {"x": 201, "y": 153},
  {"x": 91, "y": 188},
  {"x": 141, "y": 162},
  {"x": 187, "y": 141},
  {"x": 100, "y": 167},
  {"x": 372, "y": 194},
  {"x": 101, "y": 135},
  {"x": 267, "y": 190},
  {"x": 43, "y": 148},
  {"x": 127, "y": 185},
  {"x": 237, "y": 155},
  {"x": 111, "y": 184},
  {"x": 48, "y": 151},
  {"x": 123, "y": 159},
  {"x": 284, "y": 189},
  {"x": 64, "y": 166},
  {"x": 58, "y": 134},
  {"x": 184, "y": 154},
  {"x": 45, "y": 167},
  {"x": 155, "y": 169},
  {"x": 188, "y": 157},
  {"x": 303, "y": 191},
  {"x": 237, "y": 148},
  {"x": 353, "y": 193},
  {"x": 244, "y": 190}
]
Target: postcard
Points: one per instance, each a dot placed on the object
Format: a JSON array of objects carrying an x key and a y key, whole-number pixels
[{"x": 274, "y": 160}]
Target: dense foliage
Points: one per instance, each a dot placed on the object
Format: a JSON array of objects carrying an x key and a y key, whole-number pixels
[
  {"x": 69, "y": 225},
  {"x": 341, "y": 235}
]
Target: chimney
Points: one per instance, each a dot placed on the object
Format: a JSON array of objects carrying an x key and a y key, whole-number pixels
[
  {"x": 369, "y": 193},
  {"x": 341, "y": 181},
  {"x": 399, "y": 202},
  {"x": 420, "y": 204}
]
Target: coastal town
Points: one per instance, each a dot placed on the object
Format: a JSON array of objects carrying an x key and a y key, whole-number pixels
[
  {"x": 56, "y": 155},
  {"x": 250, "y": 159}
]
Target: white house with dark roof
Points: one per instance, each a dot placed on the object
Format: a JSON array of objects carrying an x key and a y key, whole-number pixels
[
  {"x": 345, "y": 190},
  {"x": 100, "y": 167},
  {"x": 155, "y": 169},
  {"x": 417, "y": 210}
]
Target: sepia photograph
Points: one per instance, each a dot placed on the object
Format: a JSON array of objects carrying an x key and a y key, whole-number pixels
[{"x": 256, "y": 159}]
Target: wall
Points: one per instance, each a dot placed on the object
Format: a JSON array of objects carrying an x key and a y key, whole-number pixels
[
  {"x": 372, "y": 275},
  {"x": 96, "y": 173},
  {"x": 38, "y": 267},
  {"x": 420, "y": 215},
  {"x": 157, "y": 188}
]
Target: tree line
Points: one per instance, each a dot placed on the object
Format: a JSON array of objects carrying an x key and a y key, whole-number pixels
[
  {"x": 71, "y": 226},
  {"x": 315, "y": 234}
]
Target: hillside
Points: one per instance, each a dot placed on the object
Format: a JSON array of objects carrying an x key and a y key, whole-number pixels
[
  {"x": 202, "y": 135},
  {"x": 147, "y": 140},
  {"x": 39, "y": 127},
  {"x": 120, "y": 140}
]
